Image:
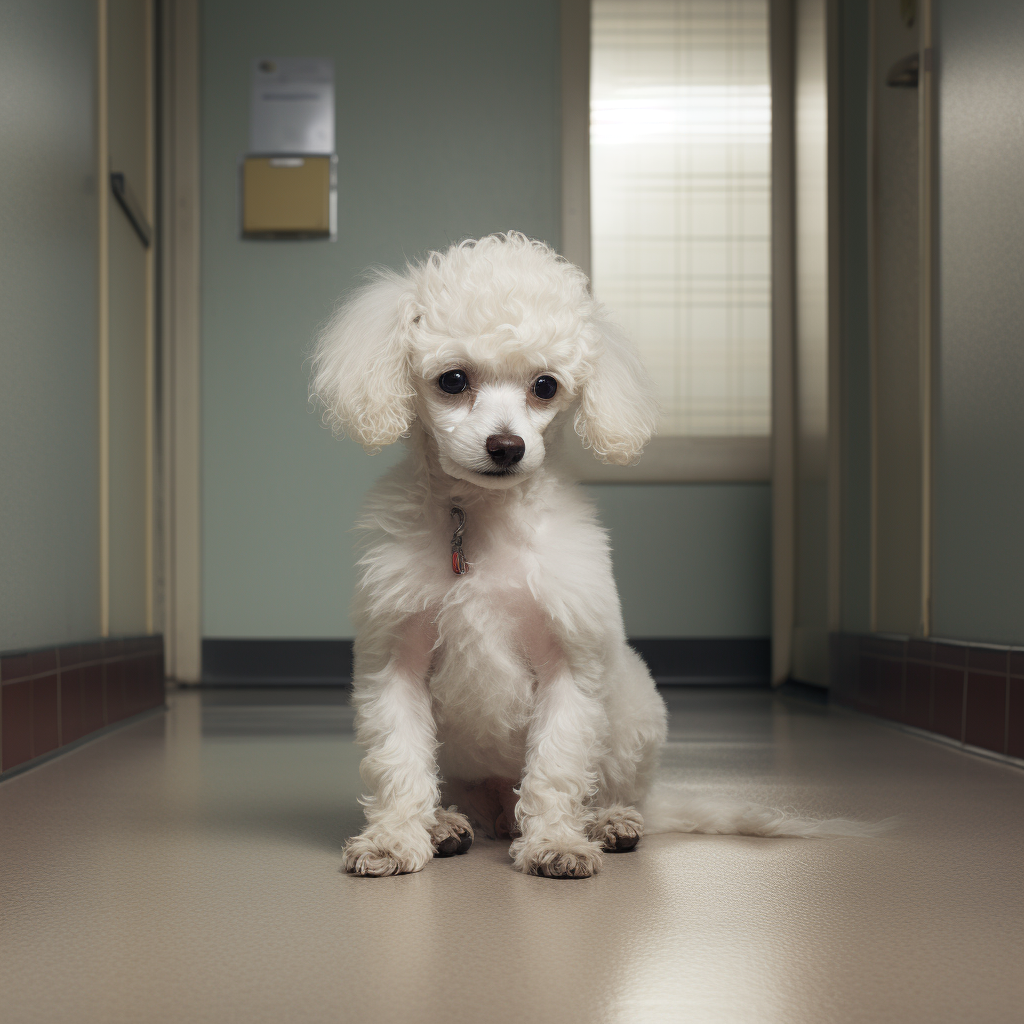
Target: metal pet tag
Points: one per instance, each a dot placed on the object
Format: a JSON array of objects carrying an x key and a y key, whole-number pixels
[{"x": 458, "y": 558}]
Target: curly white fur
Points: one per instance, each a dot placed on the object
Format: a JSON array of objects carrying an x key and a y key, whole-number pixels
[{"x": 510, "y": 690}]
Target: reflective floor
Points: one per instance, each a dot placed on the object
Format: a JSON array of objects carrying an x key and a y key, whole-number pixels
[{"x": 186, "y": 869}]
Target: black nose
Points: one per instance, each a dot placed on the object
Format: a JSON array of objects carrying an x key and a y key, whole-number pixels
[{"x": 505, "y": 449}]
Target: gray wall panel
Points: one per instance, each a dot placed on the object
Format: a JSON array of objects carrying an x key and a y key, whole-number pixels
[
  {"x": 49, "y": 504},
  {"x": 978, "y": 551}
]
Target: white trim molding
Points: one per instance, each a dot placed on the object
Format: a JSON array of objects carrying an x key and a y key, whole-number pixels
[
  {"x": 807, "y": 527},
  {"x": 103, "y": 306},
  {"x": 181, "y": 341},
  {"x": 690, "y": 460},
  {"x": 927, "y": 219},
  {"x": 783, "y": 343},
  {"x": 151, "y": 408},
  {"x": 575, "y": 45}
]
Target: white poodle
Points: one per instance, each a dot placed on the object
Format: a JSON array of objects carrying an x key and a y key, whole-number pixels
[{"x": 492, "y": 670}]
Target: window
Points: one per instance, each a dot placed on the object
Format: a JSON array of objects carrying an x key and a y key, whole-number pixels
[{"x": 680, "y": 202}]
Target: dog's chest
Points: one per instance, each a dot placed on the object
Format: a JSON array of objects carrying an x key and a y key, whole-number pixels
[{"x": 482, "y": 680}]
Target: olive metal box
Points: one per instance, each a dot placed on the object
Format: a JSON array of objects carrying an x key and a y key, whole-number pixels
[{"x": 289, "y": 197}]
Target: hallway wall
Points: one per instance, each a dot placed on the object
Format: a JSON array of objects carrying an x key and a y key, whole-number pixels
[
  {"x": 447, "y": 126},
  {"x": 49, "y": 420},
  {"x": 978, "y": 552},
  {"x": 970, "y": 688}
]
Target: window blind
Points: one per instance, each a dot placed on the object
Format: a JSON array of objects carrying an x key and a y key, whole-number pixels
[{"x": 680, "y": 149}]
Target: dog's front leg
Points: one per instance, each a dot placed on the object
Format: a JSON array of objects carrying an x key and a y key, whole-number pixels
[
  {"x": 395, "y": 725},
  {"x": 563, "y": 750}
]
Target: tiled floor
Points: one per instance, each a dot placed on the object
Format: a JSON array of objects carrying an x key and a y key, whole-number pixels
[{"x": 186, "y": 869}]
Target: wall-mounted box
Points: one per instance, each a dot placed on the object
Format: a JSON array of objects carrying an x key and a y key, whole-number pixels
[{"x": 289, "y": 196}]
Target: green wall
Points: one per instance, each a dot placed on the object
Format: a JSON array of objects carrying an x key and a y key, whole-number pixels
[
  {"x": 691, "y": 559},
  {"x": 447, "y": 126},
  {"x": 49, "y": 419}
]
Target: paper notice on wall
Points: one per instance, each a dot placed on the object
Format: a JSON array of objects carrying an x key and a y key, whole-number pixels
[{"x": 292, "y": 105}]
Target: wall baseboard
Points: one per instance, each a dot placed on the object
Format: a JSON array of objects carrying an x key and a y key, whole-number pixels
[
  {"x": 971, "y": 694},
  {"x": 741, "y": 661},
  {"x": 695, "y": 661},
  {"x": 277, "y": 662},
  {"x": 53, "y": 697}
]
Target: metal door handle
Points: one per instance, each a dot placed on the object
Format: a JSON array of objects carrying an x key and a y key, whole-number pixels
[
  {"x": 904, "y": 73},
  {"x": 132, "y": 210}
]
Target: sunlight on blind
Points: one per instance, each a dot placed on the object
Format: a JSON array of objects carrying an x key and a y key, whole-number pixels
[{"x": 680, "y": 151}]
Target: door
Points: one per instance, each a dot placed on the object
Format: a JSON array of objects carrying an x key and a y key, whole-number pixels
[{"x": 898, "y": 441}]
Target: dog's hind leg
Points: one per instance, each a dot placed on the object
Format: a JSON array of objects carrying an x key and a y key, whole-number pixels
[
  {"x": 636, "y": 733},
  {"x": 452, "y": 834},
  {"x": 617, "y": 828}
]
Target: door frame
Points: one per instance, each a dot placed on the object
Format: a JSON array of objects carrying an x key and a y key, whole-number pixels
[{"x": 180, "y": 338}]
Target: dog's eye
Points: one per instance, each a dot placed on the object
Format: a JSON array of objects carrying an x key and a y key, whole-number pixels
[
  {"x": 453, "y": 382},
  {"x": 545, "y": 387}
]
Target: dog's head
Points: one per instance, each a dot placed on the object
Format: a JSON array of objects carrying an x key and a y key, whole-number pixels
[{"x": 486, "y": 344}]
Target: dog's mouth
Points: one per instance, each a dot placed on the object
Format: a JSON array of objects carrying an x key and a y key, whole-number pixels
[{"x": 483, "y": 476}]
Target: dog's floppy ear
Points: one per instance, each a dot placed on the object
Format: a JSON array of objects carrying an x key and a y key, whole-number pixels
[
  {"x": 361, "y": 365},
  {"x": 618, "y": 411}
]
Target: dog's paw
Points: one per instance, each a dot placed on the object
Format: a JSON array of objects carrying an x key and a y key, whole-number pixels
[
  {"x": 452, "y": 834},
  {"x": 376, "y": 852},
  {"x": 617, "y": 828},
  {"x": 572, "y": 857}
]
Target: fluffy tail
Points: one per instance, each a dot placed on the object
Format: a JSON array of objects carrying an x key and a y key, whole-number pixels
[{"x": 668, "y": 809}]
